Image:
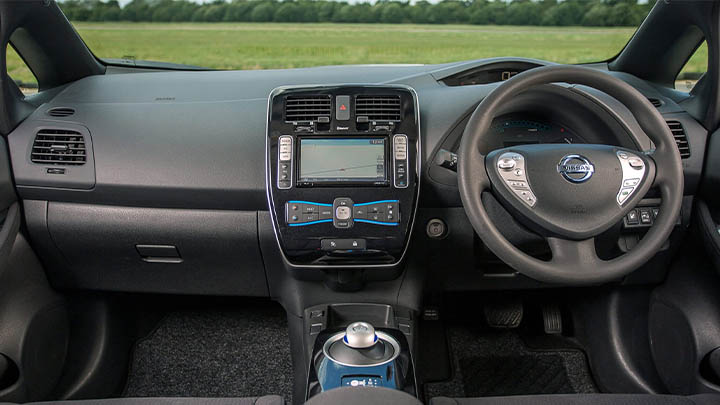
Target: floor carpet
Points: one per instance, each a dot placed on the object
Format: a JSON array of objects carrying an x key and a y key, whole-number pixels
[
  {"x": 242, "y": 353},
  {"x": 491, "y": 363}
]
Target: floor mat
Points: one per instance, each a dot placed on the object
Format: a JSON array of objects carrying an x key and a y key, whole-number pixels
[
  {"x": 491, "y": 363},
  {"x": 214, "y": 354}
]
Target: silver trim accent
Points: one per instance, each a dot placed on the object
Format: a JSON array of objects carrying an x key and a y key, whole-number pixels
[
  {"x": 292, "y": 160},
  {"x": 515, "y": 177},
  {"x": 381, "y": 335},
  {"x": 407, "y": 182},
  {"x": 360, "y": 335},
  {"x": 586, "y": 168},
  {"x": 268, "y": 180},
  {"x": 629, "y": 173}
]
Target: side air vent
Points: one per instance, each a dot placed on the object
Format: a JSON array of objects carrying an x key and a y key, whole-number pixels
[
  {"x": 308, "y": 108},
  {"x": 680, "y": 138},
  {"x": 59, "y": 147},
  {"x": 61, "y": 112},
  {"x": 655, "y": 101},
  {"x": 378, "y": 108}
]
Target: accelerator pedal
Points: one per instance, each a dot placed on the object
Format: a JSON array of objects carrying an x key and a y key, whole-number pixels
[
  {"x": 504, "y": 315},
  {"x": 552, "y": 319}
]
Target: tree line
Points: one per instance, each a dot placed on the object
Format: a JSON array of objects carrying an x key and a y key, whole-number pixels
[{"x": 601, "y": 13}]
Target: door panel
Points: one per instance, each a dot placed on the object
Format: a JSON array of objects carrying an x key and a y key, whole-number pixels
[{"x": 9, "y": 209}]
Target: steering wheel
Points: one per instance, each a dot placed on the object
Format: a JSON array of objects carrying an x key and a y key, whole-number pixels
[{"x": 570, "y": 193}]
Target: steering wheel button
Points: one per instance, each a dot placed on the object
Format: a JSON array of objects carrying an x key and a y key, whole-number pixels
[
  {"x": 506, "y": 164},
  {"x": 624, "y": 194},
  {"x": 636, "y": 163},
  {"x": 631, "y": 182}
]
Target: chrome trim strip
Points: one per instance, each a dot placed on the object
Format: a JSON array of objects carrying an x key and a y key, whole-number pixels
[
  {"x": 384, "y": 336},
  {"x": 292, "y": 160},
  {"x": 407, "y": 183}
]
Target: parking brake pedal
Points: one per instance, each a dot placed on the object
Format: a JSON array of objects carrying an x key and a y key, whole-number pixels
[
  {"x": 504, "y": 315},
  {"x": 552, "y": 319}
]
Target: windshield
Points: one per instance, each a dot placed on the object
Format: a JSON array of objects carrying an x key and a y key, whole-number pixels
[{"x": 261, "y": 34}]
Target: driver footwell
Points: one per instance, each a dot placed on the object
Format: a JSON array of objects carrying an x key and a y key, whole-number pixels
[{"x": 486, "y": 362}]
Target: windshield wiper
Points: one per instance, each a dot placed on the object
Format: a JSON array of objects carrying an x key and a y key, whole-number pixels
[{"x": 149, "y": 64}]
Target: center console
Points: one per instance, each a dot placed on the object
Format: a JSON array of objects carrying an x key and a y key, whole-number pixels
[
  {"x": 343, "y": 170},
  {"x": 359, "y": 345}
]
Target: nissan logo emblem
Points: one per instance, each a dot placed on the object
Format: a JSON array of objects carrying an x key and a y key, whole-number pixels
[{"x": 575, "y": 168}]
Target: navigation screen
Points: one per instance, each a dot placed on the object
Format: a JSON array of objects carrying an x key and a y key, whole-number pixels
[{"x": 339, "y": 160}]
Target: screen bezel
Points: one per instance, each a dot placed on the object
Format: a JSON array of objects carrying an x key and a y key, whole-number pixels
[{"x": 349, "y": 182}]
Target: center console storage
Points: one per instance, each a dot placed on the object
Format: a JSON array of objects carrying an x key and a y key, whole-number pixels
[{"x": 342, "y": 174}]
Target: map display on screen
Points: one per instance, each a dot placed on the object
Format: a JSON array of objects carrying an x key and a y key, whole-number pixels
[{"x": 338, "y": 160}]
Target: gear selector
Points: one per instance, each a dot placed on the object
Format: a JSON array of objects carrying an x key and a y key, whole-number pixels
[{"x": 360, "y": 355}]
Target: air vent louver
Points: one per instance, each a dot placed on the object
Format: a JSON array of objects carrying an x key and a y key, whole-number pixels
[
  {"x": 307, "y": 108},
  {"x": 378, "y": 108},
  {"x": 655, "y": 101},
  {"x": 59, "y": 147},
  {"x": 61, "y": 112},
  {"x": 680, "y": 138}
]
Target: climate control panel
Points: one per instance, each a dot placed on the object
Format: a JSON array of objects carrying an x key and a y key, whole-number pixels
[{"x": 343, "y": 213}]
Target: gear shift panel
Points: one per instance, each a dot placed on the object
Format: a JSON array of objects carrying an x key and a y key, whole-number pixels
[{"x": 350, "y": 351}]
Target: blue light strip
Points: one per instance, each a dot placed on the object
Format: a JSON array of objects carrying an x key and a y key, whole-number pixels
[
  {"x": 377, "y": 222},
  {"x": 377, "y": 202},
  {"x": 311, "y": 222},
  {"x": 308, "y": 202}
]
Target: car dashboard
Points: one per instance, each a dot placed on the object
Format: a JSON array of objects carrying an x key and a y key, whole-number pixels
[{"x": 198, "y": 182}]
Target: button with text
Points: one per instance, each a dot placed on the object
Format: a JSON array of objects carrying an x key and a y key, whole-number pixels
[{"x": 343, "y": 244}]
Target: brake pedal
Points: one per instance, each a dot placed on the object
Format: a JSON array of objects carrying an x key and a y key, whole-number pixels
[
  {"x": 552, "y": 319},
  {"x": 504, "y": 315}
]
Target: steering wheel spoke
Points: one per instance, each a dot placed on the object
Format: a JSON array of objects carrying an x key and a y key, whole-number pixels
[{"x": 579, "y": 253}]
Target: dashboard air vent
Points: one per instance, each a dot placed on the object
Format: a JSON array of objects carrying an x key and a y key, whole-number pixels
[
  {"x": 680, "y": 138},
  {"x": 655, "y": 101},
  {"x": 59, "y": 147},
  {"x": 308, "y": 108},
  {"x": 61, "y": 112},
  {"x": 378, "y": 108}
]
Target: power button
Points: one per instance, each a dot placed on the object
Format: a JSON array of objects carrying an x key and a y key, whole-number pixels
[
  {"x": 342, "y": 212},
  {"x": 436, "y": 228}
]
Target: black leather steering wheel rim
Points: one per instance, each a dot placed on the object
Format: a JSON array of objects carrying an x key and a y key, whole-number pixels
[{"x": 574, "y": 262}]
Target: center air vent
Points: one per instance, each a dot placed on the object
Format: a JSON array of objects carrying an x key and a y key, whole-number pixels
[
  {"x": 59, "y": 147},
  {"x": 308, "y": 108},
  {"x": 61, "y": 112},
  {"x": 378, "y": 108},
  {"x": 680, "y": 138}
]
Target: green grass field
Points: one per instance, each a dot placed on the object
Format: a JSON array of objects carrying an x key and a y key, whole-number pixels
[{"x": 274, "y": 45}]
